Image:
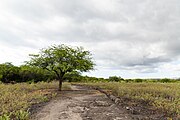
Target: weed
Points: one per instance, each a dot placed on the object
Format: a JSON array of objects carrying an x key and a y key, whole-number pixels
[
  {"x": 22, "y": 115},
  {"x": 5, "y": 117}
]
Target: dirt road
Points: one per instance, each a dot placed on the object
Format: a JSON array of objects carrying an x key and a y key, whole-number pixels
[{"x": 81, "y": 103}]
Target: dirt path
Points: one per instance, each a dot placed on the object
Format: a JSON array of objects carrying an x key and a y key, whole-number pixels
[{"x": 81, "y": 103}]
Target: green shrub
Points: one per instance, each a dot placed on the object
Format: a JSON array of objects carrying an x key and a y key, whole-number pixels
[
  {"x": 165, "y": 80},
  {"x": 5, "y": 117},
  {"x": 138, "y": 80},
  {"x": 115, "y": 79},
  {"x": 22, "y": 115}
]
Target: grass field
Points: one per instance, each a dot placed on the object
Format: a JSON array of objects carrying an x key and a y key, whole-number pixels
[
  {"x": 164, "y": 96},
  {"x": 16, "y": 99}
]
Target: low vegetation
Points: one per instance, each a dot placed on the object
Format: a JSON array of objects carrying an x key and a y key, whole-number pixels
[
  {"x": 163, "y": 96},
  {"x": 16, "y": 99}
]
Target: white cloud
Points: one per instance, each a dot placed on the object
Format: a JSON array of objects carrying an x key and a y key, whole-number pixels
[{"x": 136, "y": 36}]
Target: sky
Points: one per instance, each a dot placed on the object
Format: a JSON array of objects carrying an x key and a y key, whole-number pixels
[{"x": 127, "y": 38}]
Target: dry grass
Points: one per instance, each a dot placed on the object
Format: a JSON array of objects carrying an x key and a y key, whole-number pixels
[
  {"x": 164, "y": 96},
  {"x": 17, "y": 98}
]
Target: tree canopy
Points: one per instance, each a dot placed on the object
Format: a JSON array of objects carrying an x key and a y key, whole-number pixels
[
  {"x": 8, "y": 72},
  {"x": 62, "y": 59}
]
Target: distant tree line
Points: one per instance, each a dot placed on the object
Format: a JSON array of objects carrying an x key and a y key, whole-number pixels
[
  {"x": 10, "y": 73},
  {"x": 25, "y": 73},
  {"x": 14, "y": 74},
  {"x": 76, "y": 77}
]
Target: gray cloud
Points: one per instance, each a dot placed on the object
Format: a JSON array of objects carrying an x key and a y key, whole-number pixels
[{"x": 136, "y": 35}]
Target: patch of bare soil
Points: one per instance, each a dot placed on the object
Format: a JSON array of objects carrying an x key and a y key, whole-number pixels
[
  {"x": 85, "y": 103},
  {"x": 141, "y": 110},
  {"x": 80, "y": 103}
]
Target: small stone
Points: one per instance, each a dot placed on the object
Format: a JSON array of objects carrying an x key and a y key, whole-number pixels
[
  {"x": 117, "y": 101},
  {"x": 112, "y": 97},
  {"x": 127, "y": 108}
]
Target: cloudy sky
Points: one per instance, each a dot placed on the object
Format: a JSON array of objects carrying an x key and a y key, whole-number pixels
[{"x": 128, "y": 38}]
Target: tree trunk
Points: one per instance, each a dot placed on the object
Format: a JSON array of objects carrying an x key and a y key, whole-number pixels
[
  {"x": 60, "y": 78},
  {"x": 60, "y": 81},
  {"x": 60, "y": 84}
]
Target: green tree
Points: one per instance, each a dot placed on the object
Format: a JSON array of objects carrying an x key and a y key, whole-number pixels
[
  {"x": 115, "y": 79},
  {"x": 73, "y": 77},
  {"x": 62, "y": 59},
  {"x": 35, "y": 74},
  {"x": 9, "y": 72}
]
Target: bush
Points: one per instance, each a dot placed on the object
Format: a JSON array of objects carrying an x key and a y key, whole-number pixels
[
  {"x": 9, "y": 73},
  {"x": 115, "y": 79},
  {"x": 13, "y": 74},
  {"x": 35, "y": 74},
  {"x": 138, "y": 80},
  {"x": 165, "y": 80}
]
